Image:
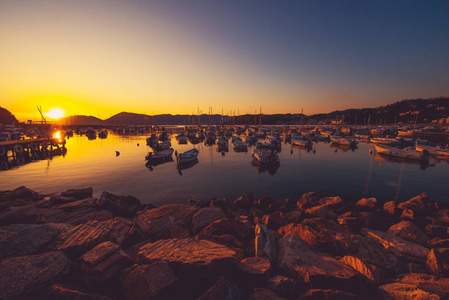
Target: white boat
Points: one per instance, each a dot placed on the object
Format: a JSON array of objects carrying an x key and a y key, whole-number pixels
[
  {"x": 265, "y": 156},
  {"x": 156, "y": 155},
  {"x": 435, "y": 151},
  {"x": 342, "y": 141},
  {"x": 301, "y": 142},
  {"x": 384, "y": 141},
  {"x": 188, "y": 156},
  {"x": 401, "y": 153}
]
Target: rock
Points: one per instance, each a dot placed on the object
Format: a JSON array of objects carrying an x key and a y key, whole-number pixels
[
  {"x": 264, "y": 294},
  {"x": 60, "y": 291},
  {"x": 253, "y": 271},
  {"x": 58, "y": 199},
  {"x": 309, "y": 199},
  {"x": 275, "y": 220},
  {"x": 328, "y": 294},
  {"x": 26, "y": 274},
  {"x": 322, "y": 211},
  {"x": 239, "y": 230},
  {"x": 26, "y": 239},
  {"x": 390, "y": 208},
  {"x": 315, "y": 239},
  {"x": 352, "y": 222},
  {"x": 76, "y": 204},
  {"x": 144, "y": 282},
  {"x": 412, "y": 267},
  {"x": 370, "y": 219},
  {"x": 84, "y": 237},
  {"x": 283, "y": 286},
  {"x": 221, "y": 203},
  {"x": 28, "y": 214},
  {"x": 408, "y": 215},
  {"x": 103, "y": 215},
  {"x": 216, "y": 291},
  {"x": 436, "y": 230},
  {"x": 402, "y": 291},
  {"x": 371, "y": 272},
  {"x": 75, "y": 216},
  {"x": 319, "y": 270},
  {"x": 23, "y": 193},
  {"x": 409, "y": 232},
  {"x": 398, "y": 245},
  {"x": 366, "y": 204},
  {"x": 428, "y": 283},
  {"x": 294, "y": 216},
  {"x": 102, "y": 262},
  {"x": 438, "y": 261},
  {"x": 420, "y": 204},
  {"x": 125, "y": 206},
  {"x": 189, "y": 256},
  {"x": 265, "y": 245},
  {"x": 244, "y": 202},
  {"x": 439, "y": 243},
  {"x": 264, "y": 202},
  {"x": 78, "y": 193},
  {"x": 332, "y": 202},
  {"x": 166, "y": 221},
  {"x": 205, "y": 216}
]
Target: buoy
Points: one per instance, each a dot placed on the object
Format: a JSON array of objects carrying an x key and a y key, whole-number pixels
[
  {"x": 138, "y": 145},
  {"x": 117, "y": 153}
]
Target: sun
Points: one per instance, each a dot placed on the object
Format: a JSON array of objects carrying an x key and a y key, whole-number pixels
[{"x": 55, "y": 113}]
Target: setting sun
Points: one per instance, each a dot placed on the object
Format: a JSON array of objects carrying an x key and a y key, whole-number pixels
[{"x": 55, "y": 113}]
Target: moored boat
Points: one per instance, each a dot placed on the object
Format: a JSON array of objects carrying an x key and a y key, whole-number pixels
[
  {"x": 265, "y": 156},
  {"x": 435, "y": 151},
  {"x": 402, "y": 153},
  {"x": 188, "y": 156}
]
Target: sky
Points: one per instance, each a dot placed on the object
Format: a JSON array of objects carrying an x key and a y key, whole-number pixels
[{"x": 101, "y": 57}]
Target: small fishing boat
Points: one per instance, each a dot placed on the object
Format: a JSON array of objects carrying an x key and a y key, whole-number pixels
[
  {"x": 384, "y": 141},
  {"x": 265, "y": 156},
  {"x": 160, "y": 155},
  {"x": 222, "y": 143},
  {"x": 162, "y": 145},
  {"x": 188, "y": 156},
  {"x": 401, "y": 153},
  {"x": 301, "y": 142},
  {"x": 240, "y": 146},
  {"x": 435, "y": 151},
  {"x": 338, "y": 140},
  {"x": 102, "y": 134}
]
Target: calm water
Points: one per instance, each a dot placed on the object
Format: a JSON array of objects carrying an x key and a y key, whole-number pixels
[{"x": 351, "y": 175}]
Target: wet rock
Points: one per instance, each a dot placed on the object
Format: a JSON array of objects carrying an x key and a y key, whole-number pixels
[
  {"x": 328, "y": 294},
  {"x": 322, "y": 211},
  {"x": 390, "y": 208},
  {"x": 264, "y": 294},
  {"x": 60, "y": 291},
  {"x": 283, "y": 286},
  {"x": 26, "y": 274},
  {"x": 84, "y": 237},
  {"x": 332, "y": 202},
  {"x": 78, "y": 193},
  {"x": 73, "y": 205},
  {"x": 366, "y": 204},
  {"x": 409, "y": 232},
  {"x": 205, "y": 216},
  {"x": 312, "y": 237},
  {"x": 75, "y": 216},
  {"x": 438, "y": 261},
  {"x": 244, "y": 202},
  {"x": 166, "y": 221},
  {"x": 309, "y": 199},
  {"x": 275, "y": 220},
  {"x": 142, "y": 282},
  {"x": 420, "y": 205},
  {"x": 102, "y": 262},
  {"x": 190, "y": 256},
  {"x": 23, "y": 193},
  {"x": 241, "y": 231},
  {"x": 319, "y": 270},
  {"x": 125, "y": 206},
  {"x": 265, "y": 244},
  {"x": 26, "y": 239},
  {"x": 372, "y": 273},
  {"x": 428, "y": 283},
  {"x": 403, "y": 291}
]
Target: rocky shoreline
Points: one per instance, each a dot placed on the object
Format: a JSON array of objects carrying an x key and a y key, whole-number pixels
[{"x": 73, "y": 246}]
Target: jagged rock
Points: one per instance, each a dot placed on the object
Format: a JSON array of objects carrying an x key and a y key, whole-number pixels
[
  {"x": 264, "y": 202},
  {"x": 412, "y": 267},
  {"x": 436, "y": 230},
  {"x": 312, "y": 237},
  {"x": 239, "y": 230},
  {"x": 23, "y": 193},
  {"x": 58, "y": 199},
  {"x": 332, "y": 202},
  {"x": 408, "y": 215},
  {"x": 283, "y": 286},
  {"x": 348, "y": 221},
  {"x": 409, "y": 232},
  {"x": 28, "y": 214},
  {"x": 371, "y": 272},
  {"x": 73, "y": 216},
  {"x": 102, "y": 262},
  {"x": 275, "y": 220},
  {"x": 438, "y": 261},
  {"x": 60, "y": 291},
  {"x": 84, "y": 237},
  {"x": 166, "y": 221},
  {"x": 390, "y": 208},
  {"x": 309, "y": 199},
  {"x": 25, "y": 274},
  {"x": 420, "y": 204},
  {"x": 398, "y": 245},
  {"x": 370, "y": 219},
  {"x": 428, "y": 283},
  {"x": 78, "y": 193},
  {"x": 366, "y": 204},
  {"x": 265, "y": 245},
  {"x": 26, "y": 239},
  {"x": 216, "y": 291},
  {"x": 328, "y": 294},
  {"x": 103, "y": 215},
  {"x": 244, "y": 202},
  {"x": 253, "y": 271},
  {"x": 402, "y": 291},
  {"x": 190, "y": 256},
  {"x": 322, "y": 211},
  {"x": 220, "y": 202},
  {"x": 142, "y": 282},
  {"x": 264, "y": 294},
  {"x": 73, "y": 205},
  {"x": 126, "y": 206},
  {"x": 294, "y": 216},
  {"x": 206, "y": 216},
  {"x": 319, "y": 270},
  {"x": 439, "y": 243}
]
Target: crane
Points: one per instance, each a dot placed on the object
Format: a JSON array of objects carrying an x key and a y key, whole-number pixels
[{"x": 39, "y": 108}]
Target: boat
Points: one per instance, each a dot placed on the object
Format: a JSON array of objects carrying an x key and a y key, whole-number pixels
[
  {"x": 102, "y": 134},
  {"x": 301, "y": 142},
  {"x": 265, "y": 156},
  {"x": 342, "y": 141},
  {"x": 188, "y": 156},
  {"x": 91, "y": 134},
  {"x": 384, "y": 141},
  {"x": 182, "y": 139},
  {"x": 240, "y": 146},
  {"x": 162, "y": 145},
  {"x": 405, "y": 153},
  {"x": 222, "y": 143},
  {"x": 435, "y": 151},
  {"x": 152, "y": 140},
  {"x": 160, "y": 155}
]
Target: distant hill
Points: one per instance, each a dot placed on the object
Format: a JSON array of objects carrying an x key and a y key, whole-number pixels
[
  {"x": 81, "y": 120},
  {"x": 6, "y": 117},
  {"x": 125, "y": 118}
]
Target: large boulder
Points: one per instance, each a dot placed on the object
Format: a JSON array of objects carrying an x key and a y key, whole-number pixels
[
  {"x": 26, "y": 274},
  {"x": 205, "y": 216},
  {"x": 390, "y": 208},
  {"x": 26, "y": 239},
  {"x": 317, "y": 269},
  {"x": 404, "y": 291},
  {"x": 125, "y": 206},
  {"x": 409, "y": 232},
  {"x": 283, "y": 286},
  {"x": 253, "y": 271},
  {"x": 315, "y": 239},
  {"x": 275, "y": 220},
  {"x": 244, "y": 202},
  {"x": 320, "y": 211},
  {"x": 142, "y": 282},
  {"x": 23, "y": 193},
  {"x": 437, "y": 261},
  {"x": 190, "y": 257},
  {"x": 420, "y": 205},
  {"x": 229, "y": 232},
  {"x": 78, "y": 193}
]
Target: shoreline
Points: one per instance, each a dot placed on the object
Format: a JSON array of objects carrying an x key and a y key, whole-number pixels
[{"x": 72, "y": 245}]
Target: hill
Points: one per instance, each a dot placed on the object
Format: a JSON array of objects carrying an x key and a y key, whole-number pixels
[
  {"x": 80, "y": 120},
  {"x": 6, "y": 117}
]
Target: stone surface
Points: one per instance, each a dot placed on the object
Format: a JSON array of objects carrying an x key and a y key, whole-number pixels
[
  {"x": 205, "y": 216},
  {"x": 142, "y": 282},
  {"x": 332, "y": 202},
  {"x": 125, "y": 206},
  {"x": 390, "y": 208},
  {"x": 275, "y": 220},
  {"x": 78, "y": 193},
  {"x": 420, "y": 204},
  {"x": 25, "y": 274},
  {"x": 255, "y": 266},
  {"x": 403, "y": 291},
  {"x": 60, "y": 291},
  {"x": 328, "y": 294},
  {"x": 283, "y": 286},
  {"x": 309, "y": 199},
  {"x": 366, "y": 204},
  {"x": 312, "y": 237},
  {"x": 437, "y": 261},
  {"x": 372, "y": 273},
  {"x": 322, "y": 211},
  {"x": 264, "y": 294},
  {"x": 216, "y": 291},
  {"x": 429, "y": 283},
  {"x": 23, "y": 193},
  {"x": 239, "y": 230},
  {"x": 409, "y": 232}
]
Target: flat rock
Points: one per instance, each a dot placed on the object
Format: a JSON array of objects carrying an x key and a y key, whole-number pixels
[
  {"x": 322, "y": 211},
  {"x": 315, "y": 239},
  {"x": 258, "y": 266},
  {"x": 26, "y": 239},
  {"x": 142, "y": 282},
  {"x": 191, "y": 256},
  {"x": 437, "y": 261},
  {"x": 205, "y": 216},
  {"x": 60, "y": 291},
  {"x": 372, "y": 273},
  {"x": 429, "y": 283},
  {"x": 408, "y": 231},
  {"x": 25, "y": 274}
]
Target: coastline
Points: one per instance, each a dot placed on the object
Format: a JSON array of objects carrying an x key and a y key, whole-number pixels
[{"x": 71, "y": 245}]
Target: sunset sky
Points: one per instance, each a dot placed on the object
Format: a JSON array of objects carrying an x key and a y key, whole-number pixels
[{"x": 103, "y": 57}]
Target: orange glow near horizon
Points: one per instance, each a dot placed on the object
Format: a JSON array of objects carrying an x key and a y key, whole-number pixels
[{"x": 55, "y": 113}]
